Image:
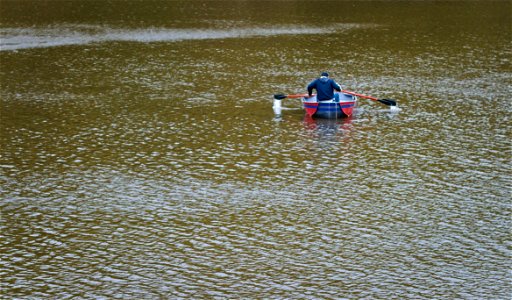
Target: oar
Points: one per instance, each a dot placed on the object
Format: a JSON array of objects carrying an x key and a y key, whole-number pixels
[
  {"x": 283, "y": 96},
  {"x": 277, "y": 101},
  {"x": 389, "y": 102}
]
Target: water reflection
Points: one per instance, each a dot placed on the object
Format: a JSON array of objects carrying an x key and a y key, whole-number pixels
[{"x": 328, "y": 129}]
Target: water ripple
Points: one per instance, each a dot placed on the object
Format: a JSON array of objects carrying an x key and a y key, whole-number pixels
[{"x": 157, "y": 170}]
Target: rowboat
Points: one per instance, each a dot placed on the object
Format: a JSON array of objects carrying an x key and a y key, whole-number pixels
[{"x": 341, "y": 106}]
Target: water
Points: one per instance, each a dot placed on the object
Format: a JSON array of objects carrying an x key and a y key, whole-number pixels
[{"x": 140, "y": 156}]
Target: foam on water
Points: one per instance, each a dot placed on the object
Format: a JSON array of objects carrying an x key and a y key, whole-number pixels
[
  {"x": 68, "y": 34},
  {"x": 394, "y": 109}
]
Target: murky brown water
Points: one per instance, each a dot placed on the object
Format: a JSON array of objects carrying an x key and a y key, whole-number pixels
[{"x": 140, "y": 157}]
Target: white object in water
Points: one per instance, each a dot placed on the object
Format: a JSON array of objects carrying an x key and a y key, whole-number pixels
[
  {"x": 394, "y": 108},
  {"x": 277, "y": 107}
]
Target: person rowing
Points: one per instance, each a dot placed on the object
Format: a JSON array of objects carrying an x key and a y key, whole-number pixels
[{"x": 324, "y": 87}]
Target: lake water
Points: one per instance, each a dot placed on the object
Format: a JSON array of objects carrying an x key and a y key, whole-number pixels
[{"x": 141, "y": 159}]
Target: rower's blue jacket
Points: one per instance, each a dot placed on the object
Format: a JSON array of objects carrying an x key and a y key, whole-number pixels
[{"x": 324, "y": 87}]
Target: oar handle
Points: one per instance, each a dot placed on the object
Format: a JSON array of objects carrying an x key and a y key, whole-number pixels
[
  {"x": 359, "y": 95},
  {"x": 298, "y": 95},
  {"x": 389, "y": 102}
]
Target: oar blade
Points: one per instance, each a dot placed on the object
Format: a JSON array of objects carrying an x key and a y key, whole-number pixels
[
  {"x": 279, "y": 96},
  {"x": 389, "y": 102}
]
